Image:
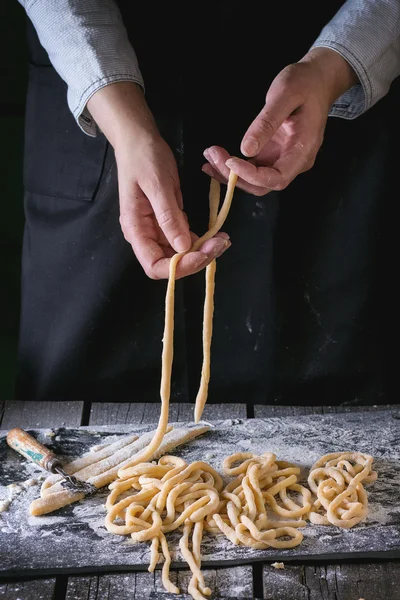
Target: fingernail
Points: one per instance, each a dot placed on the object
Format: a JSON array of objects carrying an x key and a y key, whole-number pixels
[
  {"x": 181, "y": 243},
  {"x": 250, "y": 146},
  {"x": 201, "y": 261},
  {"x": 213, "y": 155},
  {"x": 228, "y": 245},
  {"x": 220, "y": 247}
]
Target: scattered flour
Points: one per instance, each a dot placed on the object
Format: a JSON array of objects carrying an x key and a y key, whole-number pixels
[{"x": 299, "y": 440}]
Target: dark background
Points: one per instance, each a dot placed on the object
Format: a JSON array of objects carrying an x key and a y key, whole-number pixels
[
  {"x": 12, "y": 104},
  {"x": 354, "y": 138}
]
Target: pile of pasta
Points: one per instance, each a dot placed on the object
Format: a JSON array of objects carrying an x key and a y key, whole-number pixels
[
  {"x": 261, "y": 487},
  {"x": 337, "y": 482},
  {"x": 259, "y": 504},
  {"x": 159, "y": 498}
]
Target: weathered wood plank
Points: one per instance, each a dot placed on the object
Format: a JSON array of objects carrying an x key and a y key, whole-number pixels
[
  {"x": 261, "y": 411},
  {"x": 41, "y": 414},
  {"x": 40, "y": 589},
  {"x": 334, "y": 582},
  {"x": 214, "y": 412},
  {"x": 104, "y": 413},
  {"x": 236, "y": 582}
]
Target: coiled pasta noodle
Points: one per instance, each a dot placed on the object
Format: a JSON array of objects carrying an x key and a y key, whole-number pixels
[
  {"x": 161, "y": 497},
  {"x": 337, "y": 482}
]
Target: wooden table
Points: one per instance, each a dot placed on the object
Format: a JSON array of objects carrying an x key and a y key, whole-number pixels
[{"x": 336, "y": 581}]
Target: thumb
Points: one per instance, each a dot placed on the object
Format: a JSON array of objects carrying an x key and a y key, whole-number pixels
[{"x": 280, "y": 102}]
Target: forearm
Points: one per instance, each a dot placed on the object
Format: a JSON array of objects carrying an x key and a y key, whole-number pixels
[
  {"x": 88, "y": 46},
  {"x": 366, "y": 33},
  {"x": 121, "y": 112}
]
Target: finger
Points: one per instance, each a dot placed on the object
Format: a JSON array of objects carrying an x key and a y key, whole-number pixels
[
  {"x": 137, "y": 224},
  {"x": 165, "y": 203},
  {"x": 277, "y": 177},
  {"x": 208, "y": 170},
  {"x": 190, "y": 263},
  {"x": 205, "y": 249},
  {"x": 154, "y": 256},
  {"x": 218, "y": 158},
  {"x": 279, "y": 104},
  {"x": 216, "y": 245},
  {"x": 193, "y": 262},
  {"x": 179, "y": 198}
]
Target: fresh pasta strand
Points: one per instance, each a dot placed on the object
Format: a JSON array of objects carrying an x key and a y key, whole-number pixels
[
  {"x": 168, "y": 338},
  {"x": 202, "y": 394}
]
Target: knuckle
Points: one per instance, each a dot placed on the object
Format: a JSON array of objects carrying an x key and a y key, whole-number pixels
[
  {"x": 289, "y": 71},
  {"x": 150, "y": 272},
  {"x": 167, "y": 218},
  {"x": 267, "y": 124},
  {"x": 289, "y": 74},
  {"x": 289, "y": 79}
]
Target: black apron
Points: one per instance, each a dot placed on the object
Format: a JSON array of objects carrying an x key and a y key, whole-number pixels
[{"x": 300, "y": 305}]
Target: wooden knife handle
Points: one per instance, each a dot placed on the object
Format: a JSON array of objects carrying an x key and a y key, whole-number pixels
[{"x": 28, "y": 446}]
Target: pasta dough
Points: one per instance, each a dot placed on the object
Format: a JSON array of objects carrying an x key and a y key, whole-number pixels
[{"x": 103, "y": 472}]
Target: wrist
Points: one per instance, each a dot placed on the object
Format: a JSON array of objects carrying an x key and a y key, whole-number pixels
[
  {"x": 335, "y": 73},
  {"x": 121, "y": 112}
]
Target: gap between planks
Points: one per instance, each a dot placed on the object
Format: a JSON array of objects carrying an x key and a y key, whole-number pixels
[
  {"x": 225, "y": 582},
  {"x": 369, "y": 581}
]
